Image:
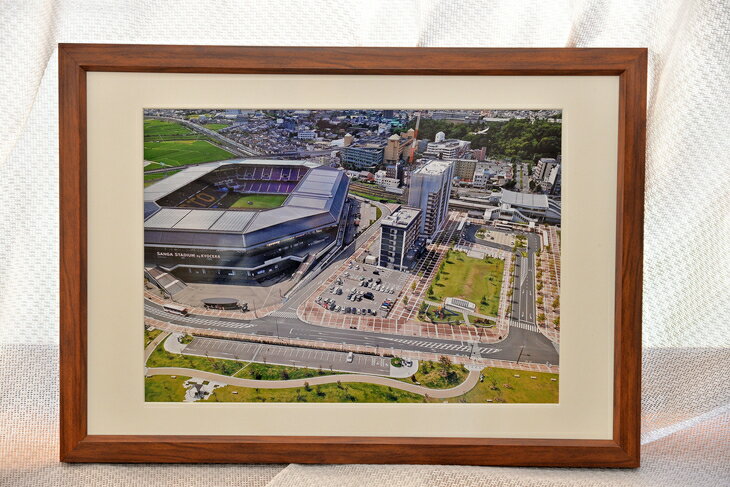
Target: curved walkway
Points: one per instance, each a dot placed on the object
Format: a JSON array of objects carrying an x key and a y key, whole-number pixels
[{"x": 471, "y": 380}]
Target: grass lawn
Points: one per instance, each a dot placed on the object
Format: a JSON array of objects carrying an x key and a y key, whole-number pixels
[
  {"x": 150, "y": 335},
  {"x": 215, "y": 126},
  {"x": 344, "y": 392},
  {"x": 513, "y": 389},
  {"x": 436, "y": 376},
  {"x": 476, "y": 280},
  {"x": 182, "y": 152},
  {"x": 163, "y": 388},
  {"x": 257, "y": 371},
  {"x": 260, "y": 201},
  {"x": 153, "y": 127},
  {"x": 431, "y": 315}
]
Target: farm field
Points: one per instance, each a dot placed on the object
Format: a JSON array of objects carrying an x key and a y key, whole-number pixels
[
  {"x": 476, "y": 280},
  {"x": 153, "y": 127},
  {"x": 259, "y": 201},
  {"x": 182, "y": 152}
]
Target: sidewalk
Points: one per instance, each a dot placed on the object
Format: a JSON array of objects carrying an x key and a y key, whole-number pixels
[{"x": 471, "y": 380}]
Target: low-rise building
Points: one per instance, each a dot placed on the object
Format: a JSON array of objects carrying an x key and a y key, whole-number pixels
[{"x": 447, "y": 149}]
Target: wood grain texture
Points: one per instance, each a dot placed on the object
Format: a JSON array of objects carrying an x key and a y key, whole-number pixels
[{"x": 77, "y": 446}]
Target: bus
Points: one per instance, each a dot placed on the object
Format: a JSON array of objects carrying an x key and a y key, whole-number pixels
[{"x": 175, "y": 309}]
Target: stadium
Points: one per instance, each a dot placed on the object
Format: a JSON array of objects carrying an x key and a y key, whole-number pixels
[{"x": 242, "y": 220}]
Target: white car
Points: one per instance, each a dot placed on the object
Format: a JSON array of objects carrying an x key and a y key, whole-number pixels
[{"x": 350, "y": 356}]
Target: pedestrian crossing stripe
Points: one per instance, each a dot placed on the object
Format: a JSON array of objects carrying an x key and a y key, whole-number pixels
[
  {"x": 284, "y": 314},
  {"x": 524, "y": 326},
  {"x": 437, "y": 345},
  {"x": 201, "y": 321}
]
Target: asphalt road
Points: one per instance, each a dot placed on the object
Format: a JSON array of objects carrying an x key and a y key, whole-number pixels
[{"x": 534, "y": 346}]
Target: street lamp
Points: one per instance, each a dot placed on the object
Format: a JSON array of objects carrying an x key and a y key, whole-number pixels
[{"x": 522, "y": 348}]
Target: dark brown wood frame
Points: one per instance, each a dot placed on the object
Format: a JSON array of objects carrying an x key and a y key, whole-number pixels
[{"x": 77, "y": 446}]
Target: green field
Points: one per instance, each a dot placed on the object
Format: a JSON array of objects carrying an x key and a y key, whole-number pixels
[
  {"x": 344, "y": 392},
  {"x": 476, "y": 280},
  {"x": 260, "y": 201},
  {"x": 182, "y": 152},
  {"x": 153, "y": 127},
  {"x": 163, "y": 388},
  {"x": 501, "y": 385}
]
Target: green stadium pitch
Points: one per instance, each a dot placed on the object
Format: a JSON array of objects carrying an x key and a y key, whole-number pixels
[{"x": 259, "y": 201}]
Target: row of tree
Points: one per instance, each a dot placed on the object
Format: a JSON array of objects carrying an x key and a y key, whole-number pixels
[{"x": 523, "y": 139}]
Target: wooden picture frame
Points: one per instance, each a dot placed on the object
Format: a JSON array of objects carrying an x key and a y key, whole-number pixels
[{"x": 76, "y": 445}]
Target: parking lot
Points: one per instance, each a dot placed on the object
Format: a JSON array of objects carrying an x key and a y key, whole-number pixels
[
  {"x": 290, "y": 356},
  {"x": 362, "y": 287}
]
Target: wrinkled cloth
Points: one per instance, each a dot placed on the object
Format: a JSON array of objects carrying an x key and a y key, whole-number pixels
[{"x": 687, "y": 252}]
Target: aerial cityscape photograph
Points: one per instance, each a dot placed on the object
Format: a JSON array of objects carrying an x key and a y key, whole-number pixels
[{"x": 352, "y": 256}]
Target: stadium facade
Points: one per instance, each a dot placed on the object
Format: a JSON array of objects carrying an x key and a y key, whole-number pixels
[{"x": 191, "y": 231}]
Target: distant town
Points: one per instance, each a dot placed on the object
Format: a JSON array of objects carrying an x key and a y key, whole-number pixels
[{"x": 352, "y": 255}]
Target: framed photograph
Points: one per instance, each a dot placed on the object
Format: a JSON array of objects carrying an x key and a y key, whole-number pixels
[{"x": 351, "y": 255}]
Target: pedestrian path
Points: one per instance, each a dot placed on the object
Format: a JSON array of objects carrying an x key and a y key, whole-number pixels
[
  {"x": 524, "y": 326},
  {"x": 471, "y": 380}
]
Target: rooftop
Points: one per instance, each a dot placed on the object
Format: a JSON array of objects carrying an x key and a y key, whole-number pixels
[
  {"x": 524, "y": 199},
  {"x": 402, "y": 218},
  {"x": 434, "y": 167}
]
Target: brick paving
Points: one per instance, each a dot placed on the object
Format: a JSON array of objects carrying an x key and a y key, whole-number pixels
[{"x": 548, "y": 266}]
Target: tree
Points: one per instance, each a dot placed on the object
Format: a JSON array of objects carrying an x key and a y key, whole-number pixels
[
  {"x": 306, "y": 386},
  {"x": 541, "y": 317},
  {"x": 445, "y": 365},
  {"x": 405, "y": 300}
]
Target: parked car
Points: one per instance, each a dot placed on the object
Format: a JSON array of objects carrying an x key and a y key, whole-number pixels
[{"x": 350, "y": 356}]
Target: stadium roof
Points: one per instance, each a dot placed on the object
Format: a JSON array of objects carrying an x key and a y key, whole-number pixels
[
  {"x": 527, "y": 200},
  {"x": 160, "y": 189},
  {"x": 316, "y": 201}
]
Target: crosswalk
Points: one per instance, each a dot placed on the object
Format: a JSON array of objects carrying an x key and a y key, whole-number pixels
[
  {"x": 524, "y": 326},
  {"x": 433, "y": 345},
  {"x": 284, "y": 314},
  {"x": 155, "y": 312}
]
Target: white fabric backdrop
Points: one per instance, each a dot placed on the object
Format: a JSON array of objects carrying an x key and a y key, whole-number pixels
[{"x": 687, "y": 250}]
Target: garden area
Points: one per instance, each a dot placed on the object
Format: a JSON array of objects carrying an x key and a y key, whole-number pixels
[{"x": 438, "y": 375}]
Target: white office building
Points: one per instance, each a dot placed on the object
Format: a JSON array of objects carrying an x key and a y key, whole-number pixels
[{"x": 430, "y": 190}]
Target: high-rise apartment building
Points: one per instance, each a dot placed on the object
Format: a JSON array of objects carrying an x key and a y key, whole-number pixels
[{"x": 430, "y": 190}]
